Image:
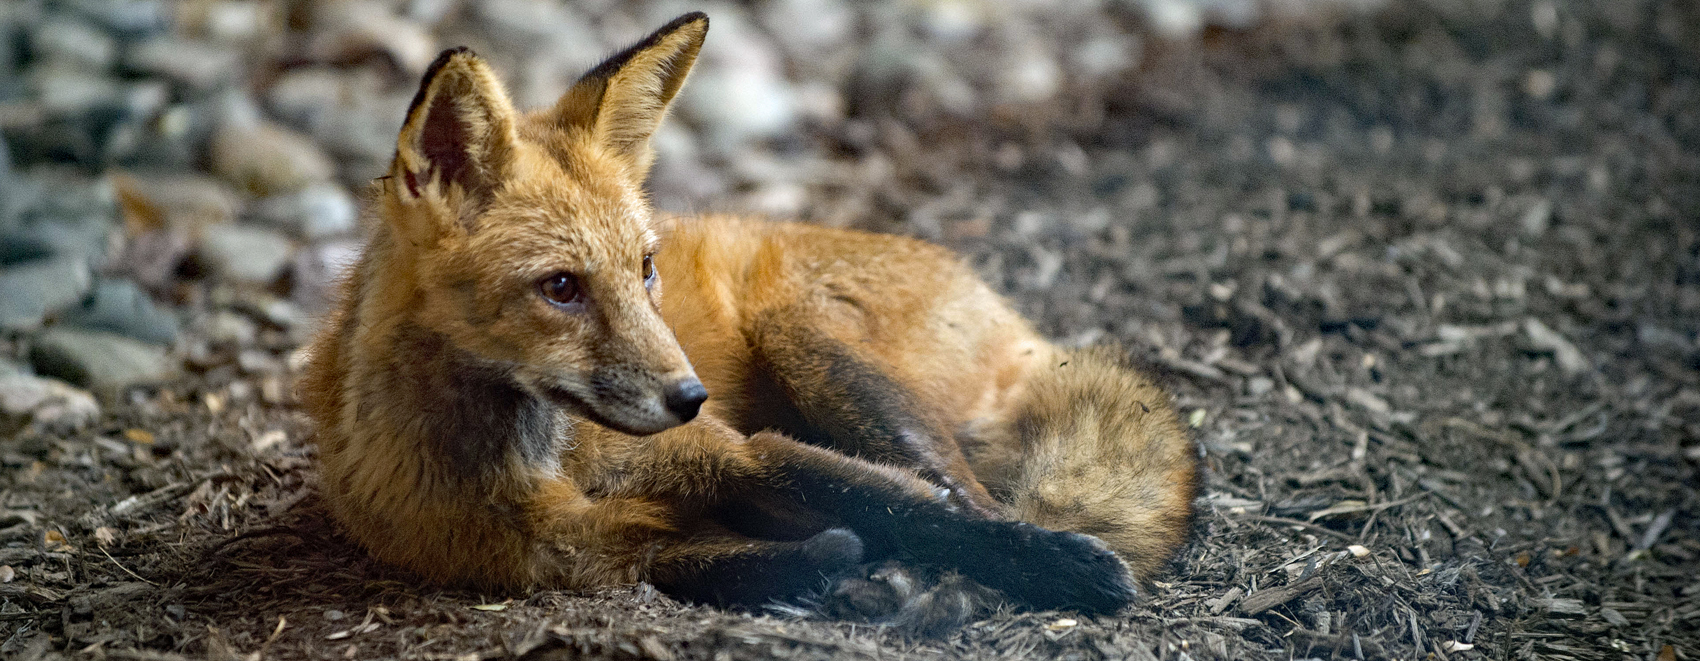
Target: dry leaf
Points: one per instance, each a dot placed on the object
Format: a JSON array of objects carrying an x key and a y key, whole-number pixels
[
  {"x": 490, "y": 607},
  {"x": 7, "y": 573},
  {"x": 139, "y": 436},
  {"x": 105, "y": 536},
  {"x": 1358, "y": 551},
  {"x": 1667, "y": 654},
  {"x": 1065, "y": 623}
]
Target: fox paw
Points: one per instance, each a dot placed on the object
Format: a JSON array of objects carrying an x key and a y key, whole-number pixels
[
  {"x": 1047, "y": 569},
  {"x": 915, "y": 601},
  {"x": 781, "y": 572}
]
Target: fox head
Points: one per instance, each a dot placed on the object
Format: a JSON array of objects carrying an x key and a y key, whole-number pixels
[{"x": 525, "y": 239}]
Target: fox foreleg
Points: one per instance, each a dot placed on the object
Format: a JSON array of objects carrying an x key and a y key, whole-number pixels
[{"x": 892, "y": 513}]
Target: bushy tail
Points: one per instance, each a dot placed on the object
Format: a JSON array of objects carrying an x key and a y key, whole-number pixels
[
  {"x": 1103, "y": 453},
  {"x": 1092, "y": 447}
]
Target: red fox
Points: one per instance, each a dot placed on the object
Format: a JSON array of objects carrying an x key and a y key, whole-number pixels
[{"x": 506, "y": 399}]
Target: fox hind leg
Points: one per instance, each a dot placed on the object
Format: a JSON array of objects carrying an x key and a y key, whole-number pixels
[
  {"x": 846, "y": 402},
  {"x": 729, "y": 571}
]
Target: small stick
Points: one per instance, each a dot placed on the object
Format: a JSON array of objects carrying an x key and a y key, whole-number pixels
[{"x": 126, "y": 569}]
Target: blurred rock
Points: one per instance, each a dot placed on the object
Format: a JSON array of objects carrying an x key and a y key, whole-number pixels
[
  {"x": 354, "y": 31},
  {"x": 102, "y": 362},
  {"x": 62, "y": 40},
  {"x": 184, "y": 202},
  {"x": 231, "y": 329},
  {"x": 346, "y": 112},
  {"x": 680, "y": 178},
  {"x": 302, "y": 97},
  {"x": 10, "y": 201},
  {"x": 226, "y": 20},
  {"x": 317, "y": 211},
  {"x": 1030, "y": 72},
  {"x": 199, "y": 65},
  {"x": 32, "y": 290},
  {"x": 47, "y": 405},
  {"x": 809, "y": 28},
  {"x": 152, "y": 259},
  {"x": 558, "y": 41},
  {"x": 244, "y": 253},
  {"x": 1105, "y": 54},
  {"x": 267, "y": 159},
  {"x": 119, "y": 306},
  {"x": 67, "y": 217},
  {"x": 895, "y": 71},
  {"x": 69, "y": 91},
  {"x": 127, "y": 18},
  {"x": 738, "y": 92}
]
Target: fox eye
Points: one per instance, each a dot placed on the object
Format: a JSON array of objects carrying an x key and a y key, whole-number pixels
[
  {"x": 561, "y": 289},
  {"x": 648, "y": 269}
]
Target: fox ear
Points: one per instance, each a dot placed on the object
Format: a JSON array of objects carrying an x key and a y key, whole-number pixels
[
  {"x": 459, "y": 137},
  {"x": 622, "y": 100}
]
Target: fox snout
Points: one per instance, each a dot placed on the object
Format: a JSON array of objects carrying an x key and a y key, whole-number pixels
[
  {"x": 685, "y": 397},
  {"x": 631, "y": 400}
]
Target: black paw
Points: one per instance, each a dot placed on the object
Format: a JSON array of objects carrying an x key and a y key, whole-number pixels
[
  {"x": 1046, "y": 569},
  {"x": 915, "y": 601},
  {"x": 832, "y": 551},
  {"x": 775, "y": 574}
]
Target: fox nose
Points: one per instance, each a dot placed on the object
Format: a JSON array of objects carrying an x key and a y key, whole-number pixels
[{"x": 685, "y": 398}]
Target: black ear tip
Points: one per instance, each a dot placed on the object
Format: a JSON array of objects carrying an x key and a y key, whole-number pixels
[
  {"x": 448, "y": 54},
  {"x": 684, "y": 20},
  {"x": 431, "y": 72}
]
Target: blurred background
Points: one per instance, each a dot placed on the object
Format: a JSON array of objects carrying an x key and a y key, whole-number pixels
[{"x": 151, "y": 143}]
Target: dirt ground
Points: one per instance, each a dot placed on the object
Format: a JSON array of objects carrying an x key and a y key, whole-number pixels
[{"x": 1426, "y": 283}]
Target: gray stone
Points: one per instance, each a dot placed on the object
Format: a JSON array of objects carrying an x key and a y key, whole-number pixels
[
  {"x": 244, "y": 253},
  {"x": 183, "y": 202},
  {"x": 48, "y": 405},
  {"x": 559, "y": 43},
  {"x": 230, "y": 328},
  {"x": 227, "y": 20},
  {"x": 128, "y": 18},
  {"x": 66, "y": 91},
  {"x": 348, "y": 30},
  {"x": 317, "y": 211},
  {"x": 32, "y": 290},
  {"x": 68, "y": 41},
  {"x": 304, "y": 96},
  {"x": 738, "y": 90},
  {"x": 267, "y": 159},
  {"x": 102, "y": 362},
  {"x": 347, "y": 113},
  {"x": 9, "y": 202},
  {"x": 119, "y": 306},
  {"x": 197, "y": 64},
  {"x": 809, "y": 28},
  {"x": 86, "y": 237}
]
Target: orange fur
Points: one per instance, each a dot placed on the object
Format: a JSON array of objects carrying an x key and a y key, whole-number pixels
[{"x": 504, "y": 396}]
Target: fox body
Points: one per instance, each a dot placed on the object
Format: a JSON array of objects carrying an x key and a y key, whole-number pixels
[{"x": 504, "y": 397}]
